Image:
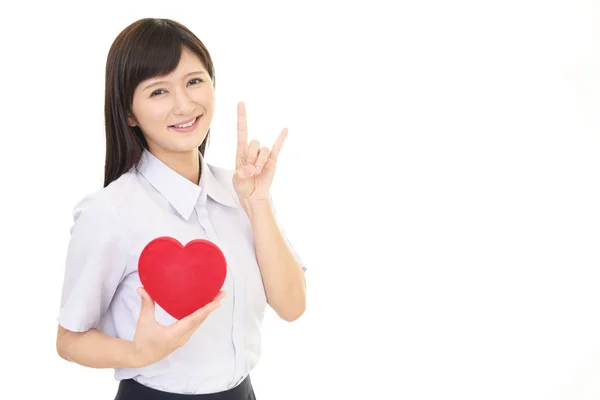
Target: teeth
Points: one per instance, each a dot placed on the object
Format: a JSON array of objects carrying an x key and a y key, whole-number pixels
[{"x": 186, "y": 125}]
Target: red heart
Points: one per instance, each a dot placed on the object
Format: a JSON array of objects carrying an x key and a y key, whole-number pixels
[{"x": 182, "y": 279}]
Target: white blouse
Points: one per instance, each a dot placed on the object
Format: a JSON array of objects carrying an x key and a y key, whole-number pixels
[{"x": 112, "y": 226}]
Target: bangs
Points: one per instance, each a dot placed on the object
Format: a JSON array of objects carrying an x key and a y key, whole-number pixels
[
  {"x": 148, "y": 48},
  {"x": 157, "y": 52}
]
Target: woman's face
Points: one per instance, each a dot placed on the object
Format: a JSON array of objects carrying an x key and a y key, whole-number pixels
[{"x": 161, "y": 105}]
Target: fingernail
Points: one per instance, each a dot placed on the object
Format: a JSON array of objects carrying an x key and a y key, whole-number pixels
[{"x": 258, "y": 169}]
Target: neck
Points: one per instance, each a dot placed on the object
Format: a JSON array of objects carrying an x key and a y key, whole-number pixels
[{"x": 185, "y": 164}]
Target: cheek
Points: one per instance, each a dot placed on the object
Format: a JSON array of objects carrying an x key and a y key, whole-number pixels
[
  {"x": 206, "y": 97},
  {"x": 159, "y": 115},
  {"x": 153, "y": 117},
  {"x": 150, "y": 114}
]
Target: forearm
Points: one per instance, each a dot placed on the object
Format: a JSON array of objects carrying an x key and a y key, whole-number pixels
[
  {"x": 96, "y": 350},
  {"x": 283, "y": 278}
]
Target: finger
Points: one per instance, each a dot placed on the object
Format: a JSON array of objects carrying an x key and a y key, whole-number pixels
[
  {"x": 278, "y": 144},
  {"x": 242, "y": 128},
  {"x": 189, "y": 324},
  {"x": 262, "y": 158},
  {"x": 253, "y": 150},
  {"x": 147, "y": 303},
  {"x": 193, "y": 321},
  {"x": 244, "y": 172},
  {"x": 220, "y": 295},
  {"x": 198, "y": 316}
]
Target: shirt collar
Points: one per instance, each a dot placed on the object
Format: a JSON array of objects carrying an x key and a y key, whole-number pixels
[{"x": 182, "y": 194}]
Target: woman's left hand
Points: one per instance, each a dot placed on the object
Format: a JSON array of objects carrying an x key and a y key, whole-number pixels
[{"x": 254, "y": 166}]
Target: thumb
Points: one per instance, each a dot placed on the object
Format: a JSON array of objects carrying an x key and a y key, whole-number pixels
[
  {"x": 245, "y": 172},
  {"x": 249, "y": 170},
  {"x": 147, "y": 303},
  {"x": 187, "y": 325}
]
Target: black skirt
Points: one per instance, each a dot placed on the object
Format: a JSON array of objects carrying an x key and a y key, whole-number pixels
[{"x": 130, "y": 389}]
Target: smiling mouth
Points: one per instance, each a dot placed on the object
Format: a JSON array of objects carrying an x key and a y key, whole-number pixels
[{"x": 188, "y": 126}]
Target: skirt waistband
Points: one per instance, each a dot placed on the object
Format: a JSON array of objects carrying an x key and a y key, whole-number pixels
[{"x": 130, "y": 389}]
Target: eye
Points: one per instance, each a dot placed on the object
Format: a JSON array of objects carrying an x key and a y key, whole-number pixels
[
  {"x": 156, "y": 92},
  {"x": 196, "y": 79}
]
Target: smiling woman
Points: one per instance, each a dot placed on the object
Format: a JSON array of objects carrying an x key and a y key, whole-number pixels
[
  {"x": 159, "y": 104},
  {"x": 181, "y": 102},
  {"x": 169, "y": 81}
]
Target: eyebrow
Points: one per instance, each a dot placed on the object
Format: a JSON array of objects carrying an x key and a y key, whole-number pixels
[{"x": 161, "y": 82}]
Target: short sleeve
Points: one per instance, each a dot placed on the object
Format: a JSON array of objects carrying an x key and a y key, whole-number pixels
[
  {"x": 284, "y": 233},
  {"x": 95, "y": 264}
]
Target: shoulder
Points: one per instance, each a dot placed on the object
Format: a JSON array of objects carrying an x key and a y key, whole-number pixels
[{"x": 102, "y": 205}]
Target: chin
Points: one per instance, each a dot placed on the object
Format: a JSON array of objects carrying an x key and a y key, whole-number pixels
[
  {"x": 174, "y": 142},
  {"x": 187, "y": 143},
  {"x": 177, "y": 147},
  {"x": 188, "y": 148}
]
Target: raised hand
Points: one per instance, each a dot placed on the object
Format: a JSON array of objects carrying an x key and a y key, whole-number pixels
[{"x": 254, "y": 166}]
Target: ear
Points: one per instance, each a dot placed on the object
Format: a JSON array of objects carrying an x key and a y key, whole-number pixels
[{"x": 131, "y": 120}]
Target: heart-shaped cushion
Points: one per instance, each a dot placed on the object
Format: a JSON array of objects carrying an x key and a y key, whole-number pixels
[{"x": 182, "y": 279}]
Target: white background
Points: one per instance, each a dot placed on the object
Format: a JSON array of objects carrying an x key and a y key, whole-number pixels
[{"x": 440, "y": 179}]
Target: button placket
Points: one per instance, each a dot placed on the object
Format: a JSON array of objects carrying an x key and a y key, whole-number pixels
[{"x": 238, "y": 289}]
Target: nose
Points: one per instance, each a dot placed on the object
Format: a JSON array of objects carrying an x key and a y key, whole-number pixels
[{"x": 183, "y": 105}]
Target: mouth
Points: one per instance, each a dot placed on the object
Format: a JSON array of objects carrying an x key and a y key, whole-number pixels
[{"x": 187, "y": 126}]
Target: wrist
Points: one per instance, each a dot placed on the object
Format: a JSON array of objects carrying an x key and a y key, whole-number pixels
[
  {"x": 258, "y": 204},
  {"x": 256, "y": 207},
  {"x": 133, "y": 356}
]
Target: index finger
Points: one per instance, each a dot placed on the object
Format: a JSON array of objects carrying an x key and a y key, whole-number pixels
[{"x": 242, "y": 128}]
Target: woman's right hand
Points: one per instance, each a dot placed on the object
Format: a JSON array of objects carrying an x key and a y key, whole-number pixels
[{"x": 154, "y": 341}]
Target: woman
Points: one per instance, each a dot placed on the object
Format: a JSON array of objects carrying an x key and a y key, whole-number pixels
[{"x": 159, "y": 103}]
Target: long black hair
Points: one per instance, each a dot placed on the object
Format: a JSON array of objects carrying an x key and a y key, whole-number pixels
[{"x": 147, "y": 48}]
